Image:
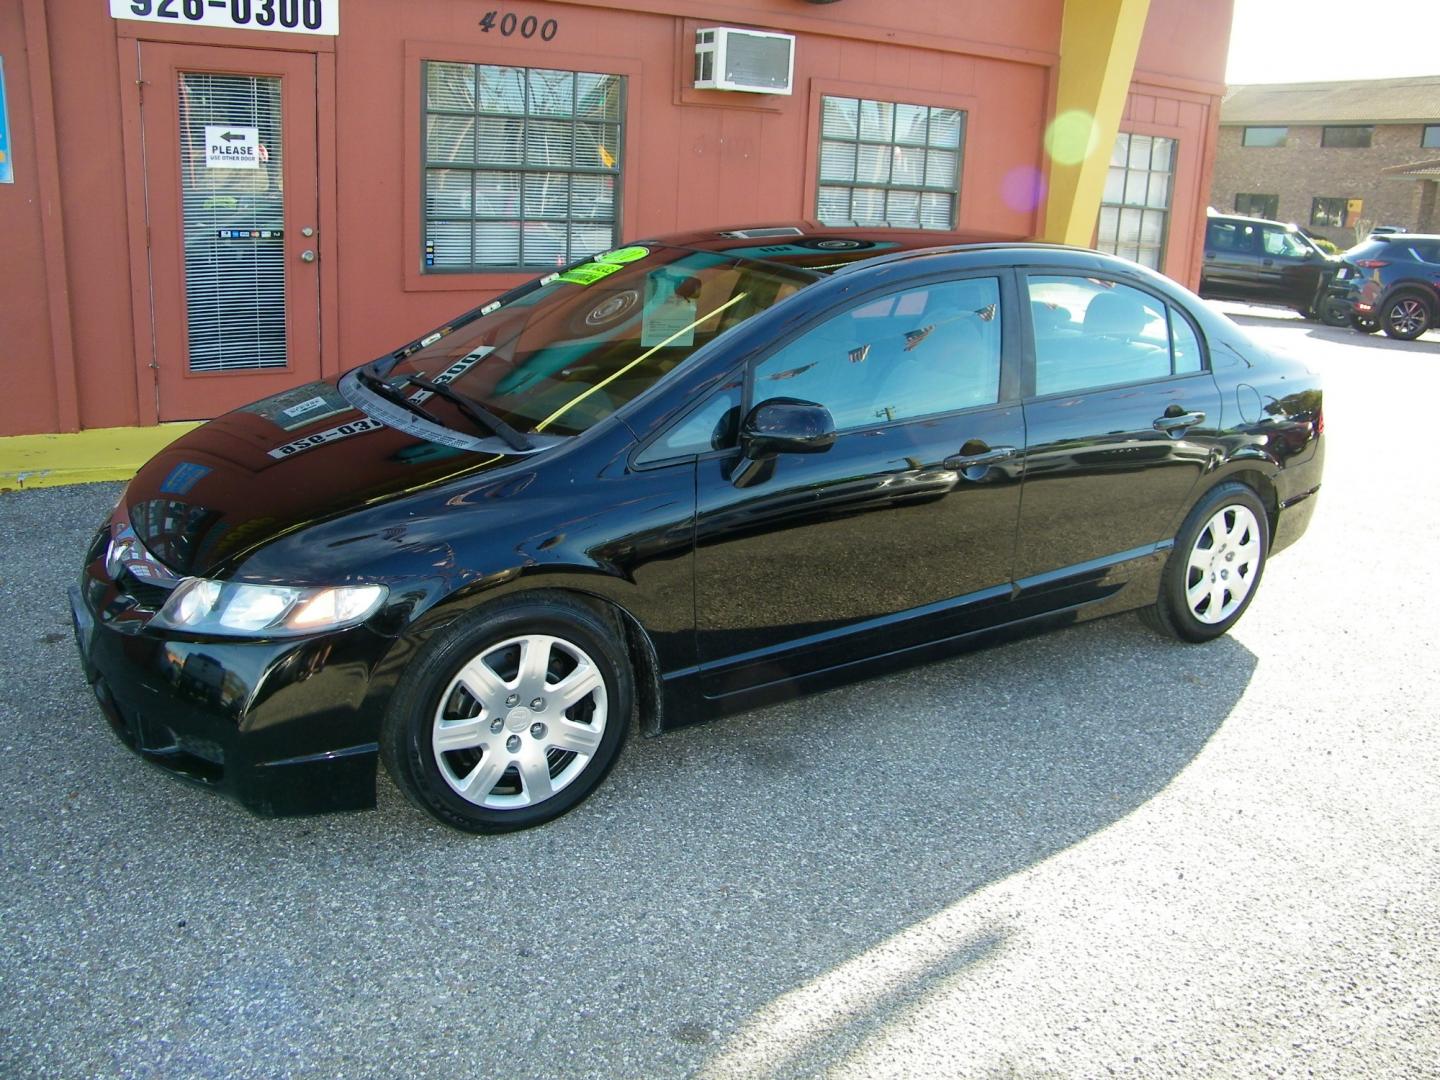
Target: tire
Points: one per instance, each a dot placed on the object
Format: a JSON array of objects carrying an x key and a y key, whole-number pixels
[
  {"x": 1365, "y": 324},
  {"x": 463, "y": 739},
  {"x": 1406, "y": 317},
  {"x": 1215, "y": 567},
  {"x": 1335, "y": 313}
]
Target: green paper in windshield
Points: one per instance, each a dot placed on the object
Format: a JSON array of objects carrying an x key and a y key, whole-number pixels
[{"x": 589, "y": 273}]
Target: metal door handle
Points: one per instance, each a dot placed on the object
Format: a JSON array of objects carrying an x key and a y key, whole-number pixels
[
  {"x": 307, "y": 256},
  {"x": 1179, "y": 423},
  {"x": 988, "y": 457}
]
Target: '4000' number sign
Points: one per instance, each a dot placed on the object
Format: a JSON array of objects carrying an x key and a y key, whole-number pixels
[
  {"x": 291, "y": 16},
  {"x": 510, "y": 24}
]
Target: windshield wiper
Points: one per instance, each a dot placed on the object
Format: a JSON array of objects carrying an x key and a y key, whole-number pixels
[
  {"x": 474, "y": 410},
  {"x": 383, "y": 389}
]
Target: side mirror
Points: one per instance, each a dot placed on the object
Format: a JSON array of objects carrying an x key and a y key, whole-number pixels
[{"x": 786, "y": 426}]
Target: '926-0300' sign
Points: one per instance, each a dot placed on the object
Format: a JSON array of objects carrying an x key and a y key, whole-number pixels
[{"x": 291, "y": 16}]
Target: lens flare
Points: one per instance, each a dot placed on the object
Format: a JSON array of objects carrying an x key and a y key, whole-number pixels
[
  {"x": 1071, "y": 137},
  {"x": 1023, "y": 188}
]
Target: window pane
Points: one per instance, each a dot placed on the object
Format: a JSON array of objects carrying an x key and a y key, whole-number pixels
[
  {"x": 877, "y": 120},
  {"x": 711, "y": 427},
  {"x": 499, "y": 142},
  {"x": 945, "y": 127},
  {"x": 1264, "y": 136},
  {"x": 868, "y": 205},
  {"x": 447, "y": 243},
  {"x": 841, "y": 117},
  {"x": 501, "y": 89},
  {"x": 588, "y": 240},
  {"x": 1430, "y": 138},
  {"x": 1186, "y": 346},
  {"x": 837, "y": 161},
  {"x": 940, "y": 168},
  {"x": 545, "y": 244},
  {"x": 450, "y": 138},
  {"x": 598, "y": 97},
  {"x": 447, "y": 191},
  {"x": 549, "y": 142},
  {"x": 1351, "y": 135},
  {"x": 872, "y": 164},
  {"x": 907, "y": 166},
  {"x": 1139, "y": 157},
  {"x": 597, "y": 146},
  {"x": 552, "y": 93},
  {"x": 1114, "y": 185},
  {"x": 902, "y": 208},
  {"x": 450, "y": 86},
  {"x": 1159, "y": 193},
  {"x": 497, "y": 194},
  {"x": 1090, "y": 333},
  {"x": 834, "y": 206},
  {"x": 592, "y": 197},
  {"x": 910, "y": 124},
  {"x": 497, "y": 242},
  {"x": 547, "y": 195},
  {"x": 923, "y": 351},
  {"x": 937, "y": 211}
]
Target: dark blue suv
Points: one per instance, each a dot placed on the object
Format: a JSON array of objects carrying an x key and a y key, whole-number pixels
[{"x": 1399, "y": 290}]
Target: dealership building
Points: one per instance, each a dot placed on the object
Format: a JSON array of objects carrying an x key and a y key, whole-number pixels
[{"x": 209, "y": 201}]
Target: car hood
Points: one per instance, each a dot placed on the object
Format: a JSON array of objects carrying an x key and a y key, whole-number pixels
[{"x": 239, "y": 482}]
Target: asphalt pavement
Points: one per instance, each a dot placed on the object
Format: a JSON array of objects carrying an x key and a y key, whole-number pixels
[{"x": 1093, "y": 853}]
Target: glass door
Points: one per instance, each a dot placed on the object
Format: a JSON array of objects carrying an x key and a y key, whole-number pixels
[{"x": 230, "y": 185}]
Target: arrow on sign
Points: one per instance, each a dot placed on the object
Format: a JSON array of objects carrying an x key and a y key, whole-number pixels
[{"x": 230, "y": 136}]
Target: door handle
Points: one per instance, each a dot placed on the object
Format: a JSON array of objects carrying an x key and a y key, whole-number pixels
[
  {"x": 1179, "y": 423},
  {"x": 987, "y": 457}
]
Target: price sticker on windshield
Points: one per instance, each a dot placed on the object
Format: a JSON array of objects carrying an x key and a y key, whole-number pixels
[{"x": 589, "y": 273}]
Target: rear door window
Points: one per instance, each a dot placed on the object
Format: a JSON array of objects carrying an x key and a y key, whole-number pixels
[{"x": 1092, "y": 332}]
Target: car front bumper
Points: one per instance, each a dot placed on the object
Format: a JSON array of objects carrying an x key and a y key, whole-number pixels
[{"x": 285, "y": 726}]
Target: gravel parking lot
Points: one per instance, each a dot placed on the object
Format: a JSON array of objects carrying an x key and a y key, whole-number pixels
[{"x": 1093, "y": 853}]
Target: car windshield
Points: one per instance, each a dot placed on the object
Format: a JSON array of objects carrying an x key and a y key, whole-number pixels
[{"x": 559, "y": 355}]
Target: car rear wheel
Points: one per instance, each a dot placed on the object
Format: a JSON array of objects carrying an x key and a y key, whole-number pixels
[
  {"x": 510, "y": 717},
  {"x": 1335, "y": 312},
  {"x": 1211, "y": 575},
  {"x": 1405, "y": 317}
]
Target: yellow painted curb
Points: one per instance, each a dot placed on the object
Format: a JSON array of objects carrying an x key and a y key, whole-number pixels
[{"x": 82, "y": 457}]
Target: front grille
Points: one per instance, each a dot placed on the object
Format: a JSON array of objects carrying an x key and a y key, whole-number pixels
[{"x": 148, "y": 596}]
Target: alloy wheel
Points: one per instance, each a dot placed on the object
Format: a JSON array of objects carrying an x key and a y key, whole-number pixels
[{"x": 1406, "y": 318}]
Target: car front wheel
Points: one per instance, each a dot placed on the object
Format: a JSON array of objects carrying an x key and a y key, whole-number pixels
[
  {"x": 511, "y": 717},
  {"x": 1211, "y": 575},
  {"x": 1406, "y": 317},
  {"x": 1365, "y": 324}
]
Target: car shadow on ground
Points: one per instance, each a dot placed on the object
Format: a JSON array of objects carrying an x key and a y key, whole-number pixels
[{"x": 685, "y": 918}]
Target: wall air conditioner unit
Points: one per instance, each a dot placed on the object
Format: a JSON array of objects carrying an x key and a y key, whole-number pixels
[{"x": 757, "y": 62}]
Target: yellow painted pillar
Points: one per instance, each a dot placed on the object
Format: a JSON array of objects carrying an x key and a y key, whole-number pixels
[{"x": 1099, "y": 40}]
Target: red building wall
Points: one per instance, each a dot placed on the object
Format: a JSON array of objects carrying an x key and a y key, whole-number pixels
[{"x": 77, "y": 305}]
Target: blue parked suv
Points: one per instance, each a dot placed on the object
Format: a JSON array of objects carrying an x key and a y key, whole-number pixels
[{"x": 1399, "y": 291}]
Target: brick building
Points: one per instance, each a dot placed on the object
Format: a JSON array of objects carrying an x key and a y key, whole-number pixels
[{"x": 1331, "y": 156}]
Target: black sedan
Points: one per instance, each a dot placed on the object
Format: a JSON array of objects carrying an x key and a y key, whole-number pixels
[{"x": 682, "y": 478}]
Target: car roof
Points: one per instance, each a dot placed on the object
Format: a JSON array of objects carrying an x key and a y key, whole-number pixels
[
  {"x": 1254, "y": 221},
  {"x": 824, "y": 248}
]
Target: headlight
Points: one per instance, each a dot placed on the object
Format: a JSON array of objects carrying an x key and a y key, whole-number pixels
[{"x": 201, "y": 606}]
